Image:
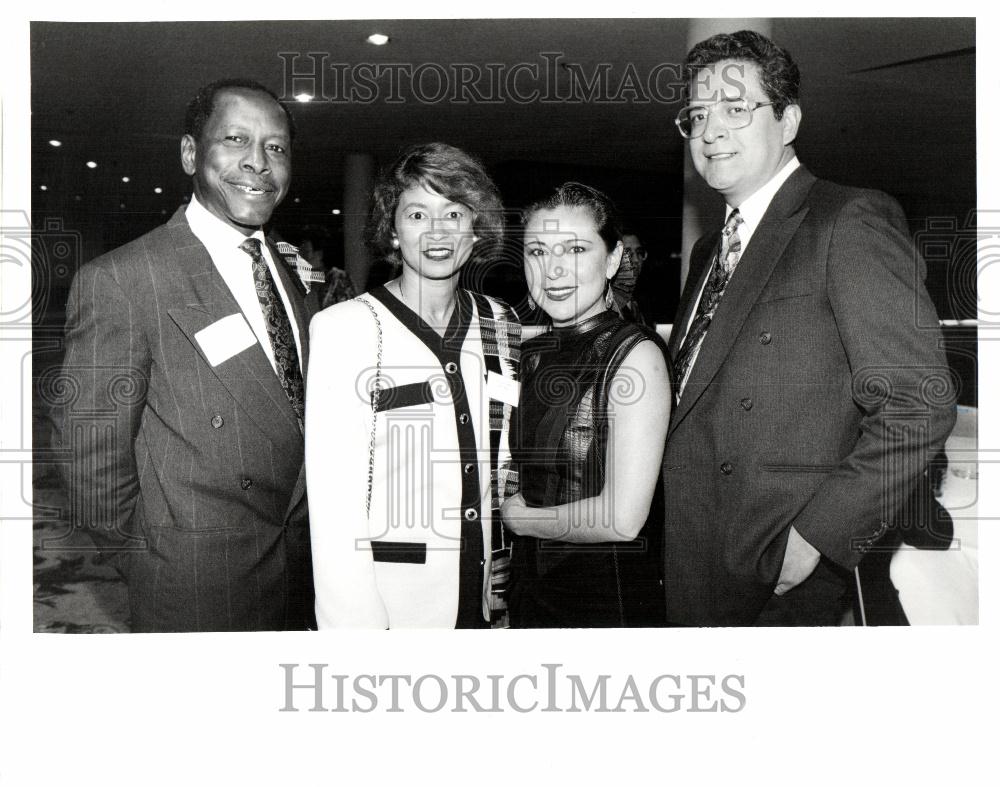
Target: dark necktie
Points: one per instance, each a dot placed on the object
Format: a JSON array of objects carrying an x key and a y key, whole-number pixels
[
  {"x": 279, "y": 329},
  {"x": 727, "y": 254}
]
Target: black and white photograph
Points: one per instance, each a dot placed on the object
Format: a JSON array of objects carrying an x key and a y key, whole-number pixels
[{"x": 649, "y": 347}]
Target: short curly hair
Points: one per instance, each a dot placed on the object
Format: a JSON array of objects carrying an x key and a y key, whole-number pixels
[
  {"x": 779, "y": 75},
  {"x": 578, "y": 195},
  {"x": 450, "y": 172},
  {"x": 200, "y": 108}
]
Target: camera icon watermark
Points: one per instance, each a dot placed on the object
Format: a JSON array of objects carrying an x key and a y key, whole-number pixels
[
  {"x": 969, "y": 253},
  {"x": 37, "y": 261}
]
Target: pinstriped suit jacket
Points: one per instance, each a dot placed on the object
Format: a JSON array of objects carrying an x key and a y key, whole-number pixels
[
  {"x": 819, "y": 394},
  {"x": 188, "y": 476}
]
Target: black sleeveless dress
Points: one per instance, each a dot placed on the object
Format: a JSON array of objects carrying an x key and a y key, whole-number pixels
[{"x": 559, "y": 444}]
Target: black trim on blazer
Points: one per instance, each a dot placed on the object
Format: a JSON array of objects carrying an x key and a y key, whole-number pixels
[
  {"x": 398, "y": 552},
  {"x": 448, "y": 349},
  {"x": 405, "y": 396}
]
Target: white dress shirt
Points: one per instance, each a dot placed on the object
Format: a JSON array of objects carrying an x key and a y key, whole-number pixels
[
  {"x": 236, "y": 268},
  {"x": 752, "y": 210}
]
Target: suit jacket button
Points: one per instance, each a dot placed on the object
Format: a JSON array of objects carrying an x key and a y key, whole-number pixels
[
  {"x": 246, "y": 483},
  {"x": 746, "y": 404},
  {"x": 469, "y": 468},
  {"x": 726, "y": 468},
  {"x": 471, "y": 514},
  {"x": 463, "y": 419},
  {"x": 765, "y": 337},
  {"x": 217, "y": 421},
  {"x": 451, "y": 367}
]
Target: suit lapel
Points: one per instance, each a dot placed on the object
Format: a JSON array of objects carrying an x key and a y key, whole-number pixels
[
  {"x": 757, "y": 263},
  {"x": 248, "y": 376}
]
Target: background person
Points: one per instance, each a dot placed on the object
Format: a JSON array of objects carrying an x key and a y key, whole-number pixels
[{"x": 337, "y": 285}]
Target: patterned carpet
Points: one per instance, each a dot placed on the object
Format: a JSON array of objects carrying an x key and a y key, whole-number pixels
[{"x": 74, "y": 592}]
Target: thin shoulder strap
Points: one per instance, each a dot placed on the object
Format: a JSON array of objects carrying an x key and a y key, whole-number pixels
[{"x": 376, "y": 394}]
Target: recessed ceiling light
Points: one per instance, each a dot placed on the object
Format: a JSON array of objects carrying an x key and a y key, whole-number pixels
[
  {"x": 55, "y": 143},
  {"x": 121, "y": 205},
  {"x": 126, "y": 179},
  {"x": 303, "y": 98},
  {"x": 296, "y": 200},
  {"x": 336, "y": 211},
  {"x": 44, "y": 188},
  {"x": 157, "y": 190},
  {"x": 378, "y": 39},
  {"x": 92, "y": 164}
]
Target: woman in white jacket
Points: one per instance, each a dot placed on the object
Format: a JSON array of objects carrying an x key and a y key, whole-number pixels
[{"x": 408, "y": 402}]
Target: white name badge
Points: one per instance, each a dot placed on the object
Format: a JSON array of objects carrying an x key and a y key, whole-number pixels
[
  {"x": 503, "y": 389},
  {"x": 223, "y": 339}
]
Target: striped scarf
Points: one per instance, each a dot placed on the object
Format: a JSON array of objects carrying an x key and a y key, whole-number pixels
[
  {"x": 306, "y": 273},
  {"x": 500, "y": 333}
]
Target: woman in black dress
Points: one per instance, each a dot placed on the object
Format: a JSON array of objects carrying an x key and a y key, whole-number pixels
[{"x": 588, "y": 434}]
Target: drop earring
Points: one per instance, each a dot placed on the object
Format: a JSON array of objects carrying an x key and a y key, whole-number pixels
[
  {"x": 609, "y": 297},
  {"x": 395, "y": 243}
]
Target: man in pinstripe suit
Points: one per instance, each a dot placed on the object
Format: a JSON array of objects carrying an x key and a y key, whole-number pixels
[
  {"x": 812, "y": 387},
  {"x": 185, "y": 355}
]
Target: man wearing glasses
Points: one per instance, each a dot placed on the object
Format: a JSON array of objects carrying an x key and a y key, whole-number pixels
[{"x": 810, "y": 384}]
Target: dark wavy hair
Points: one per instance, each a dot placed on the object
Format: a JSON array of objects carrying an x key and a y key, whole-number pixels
[
  {"x": 200, "y": 108},
  {"x": 578, "y": 195},
  {"x": 452, "y": 173},
  {"x": 779, "y": 76}
]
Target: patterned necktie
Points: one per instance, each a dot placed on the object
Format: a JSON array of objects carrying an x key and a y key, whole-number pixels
[
  {"x": 726, "y": 257},
  {"x": 279, "y": 329}
]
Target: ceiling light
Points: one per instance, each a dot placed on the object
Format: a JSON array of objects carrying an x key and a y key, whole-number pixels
[
  {"x": 296, "y": 200},
  {"x": 126, "y": 179},
  {"x": 92, "y": 164},
  {"x": 378, "y": 39},
  {"x": 336, "y": 211},
  {"x": 303, "y": 98},
  {"x": 157, "y": 190},
  {"x": 44, "y": 188},
  {"x": 55, "y": 143}
]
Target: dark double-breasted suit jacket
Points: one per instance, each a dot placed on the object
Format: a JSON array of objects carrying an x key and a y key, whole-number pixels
[
  {"x": 819, "y": 393},
  {"x": 187, "y": 474}
]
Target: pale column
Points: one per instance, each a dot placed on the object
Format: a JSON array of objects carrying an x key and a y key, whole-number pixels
[
  {"x": 703, "y": 208},
  {"x": 359, "y": 177}
]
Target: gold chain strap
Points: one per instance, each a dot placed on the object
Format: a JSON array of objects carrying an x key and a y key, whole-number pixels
[{"x": 376, "y": 392}]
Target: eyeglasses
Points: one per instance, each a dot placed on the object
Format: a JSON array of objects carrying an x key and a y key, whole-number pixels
[{"x": 737, "y": 113}]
